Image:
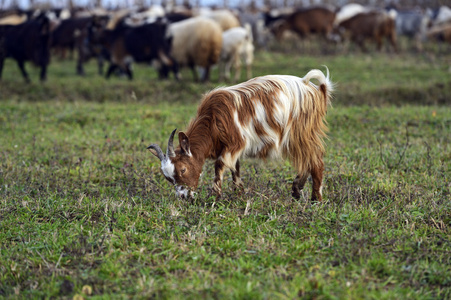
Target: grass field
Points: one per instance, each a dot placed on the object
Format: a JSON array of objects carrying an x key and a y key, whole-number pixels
[{"x": 85, "y": 212}]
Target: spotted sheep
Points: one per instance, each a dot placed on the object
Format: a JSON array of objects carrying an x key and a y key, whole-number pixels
[{"x": 268, "y": 117}]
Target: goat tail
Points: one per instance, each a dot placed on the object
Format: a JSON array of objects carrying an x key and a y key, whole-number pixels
[{"x": 325, "y": 84}]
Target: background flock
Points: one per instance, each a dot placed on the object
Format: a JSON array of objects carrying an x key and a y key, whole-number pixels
[{"x": 172, "y": 37}]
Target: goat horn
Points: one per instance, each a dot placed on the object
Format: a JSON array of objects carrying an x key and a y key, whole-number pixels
[
  {"x": 158, "y": 150},
  {"x": 170, "y": 152}
]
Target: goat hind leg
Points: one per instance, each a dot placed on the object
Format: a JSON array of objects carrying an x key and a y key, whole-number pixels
[
  {"x": 298, "y": 185},
  {"x": 236, "y": 176},
  {"x": 317, "y": 178}
]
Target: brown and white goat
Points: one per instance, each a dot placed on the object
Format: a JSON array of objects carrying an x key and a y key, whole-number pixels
[{"x": 275, "y": 116}]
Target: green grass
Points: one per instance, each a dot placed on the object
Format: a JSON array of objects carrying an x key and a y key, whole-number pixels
[{"x": 84, "y": 210}]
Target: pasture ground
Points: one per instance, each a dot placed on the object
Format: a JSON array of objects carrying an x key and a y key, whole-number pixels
[{"x": 85, "y": 212}]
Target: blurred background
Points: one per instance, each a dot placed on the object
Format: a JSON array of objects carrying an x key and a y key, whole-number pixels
[
  {"x": 148, "y": 31},
  {"x": 223, "y": 3}
]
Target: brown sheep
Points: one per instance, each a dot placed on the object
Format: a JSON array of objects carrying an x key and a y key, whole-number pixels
[
  {"x": 373, "y": 25},
  {"x": 313, "y": 20}
]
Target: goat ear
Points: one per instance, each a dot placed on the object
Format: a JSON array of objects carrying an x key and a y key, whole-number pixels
[{"x": 184, "y": 143}]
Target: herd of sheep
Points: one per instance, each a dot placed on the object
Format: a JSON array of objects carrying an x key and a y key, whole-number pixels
[{"x": 199, "y": 38}]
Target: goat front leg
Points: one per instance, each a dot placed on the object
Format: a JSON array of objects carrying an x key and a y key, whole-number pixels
[
  {"x": 236, "y": 176},
  {"x": 219, "y": 175}
]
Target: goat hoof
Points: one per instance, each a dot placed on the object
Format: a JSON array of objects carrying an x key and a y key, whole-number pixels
[
  {"x": 296, "y": 195},
  {"x": 315, "y": 200}
]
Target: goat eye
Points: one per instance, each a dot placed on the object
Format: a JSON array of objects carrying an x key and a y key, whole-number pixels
[{"x": 183, "y": 170}]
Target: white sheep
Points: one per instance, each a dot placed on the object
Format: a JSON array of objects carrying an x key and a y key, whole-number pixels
[
  {"x": 236, "y": 46},
  {"x": 196, "y": 42}
]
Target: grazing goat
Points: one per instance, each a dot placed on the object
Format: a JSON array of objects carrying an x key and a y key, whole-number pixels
[
  {"x": 237, "y": 45},
  {"x": 275, "y": 116}
]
